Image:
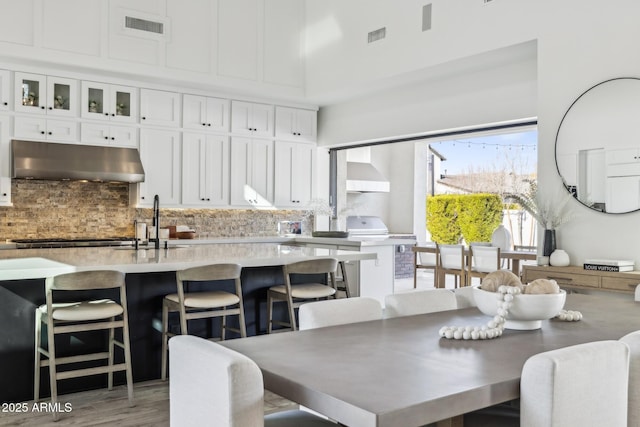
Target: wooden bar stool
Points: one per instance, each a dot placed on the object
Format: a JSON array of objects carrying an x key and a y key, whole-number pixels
[
  {"x": 295, "y": 295},
  {"x": 69, "y": 318},
  {"x": 203, "y": 304}
]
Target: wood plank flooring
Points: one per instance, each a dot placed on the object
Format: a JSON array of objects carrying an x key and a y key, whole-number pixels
[{"x": 111, "y": 408}]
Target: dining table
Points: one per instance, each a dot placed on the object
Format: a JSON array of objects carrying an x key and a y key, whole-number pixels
[
  {"x": 513, "y": 257},
  {"x": 400, "y": 372}
]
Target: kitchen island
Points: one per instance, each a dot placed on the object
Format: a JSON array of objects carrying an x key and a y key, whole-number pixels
[{"x": 150, "y": 276}]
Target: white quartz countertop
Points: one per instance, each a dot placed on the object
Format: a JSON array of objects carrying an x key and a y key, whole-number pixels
[{"x": 37, "y": 263}]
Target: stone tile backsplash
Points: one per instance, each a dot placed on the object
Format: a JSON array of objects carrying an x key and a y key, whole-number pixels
[{"x": 73, "y": 209}]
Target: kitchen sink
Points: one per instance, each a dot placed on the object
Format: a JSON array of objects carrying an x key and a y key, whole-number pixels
[{"x": 149, "y": 248}]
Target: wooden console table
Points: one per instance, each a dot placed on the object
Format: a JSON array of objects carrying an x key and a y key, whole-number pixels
[{"x": 579, "y": 278}]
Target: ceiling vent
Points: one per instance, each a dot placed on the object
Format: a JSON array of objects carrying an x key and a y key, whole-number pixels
[
  {"x": 377, "y": 35},
  {"x": 143, "y": 25},
  {"x": 426, "y": 17}
]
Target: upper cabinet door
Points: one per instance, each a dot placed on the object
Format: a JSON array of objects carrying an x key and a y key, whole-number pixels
[
  {"x": 205, "y": 114},
  {"x": 5, "y": 90},
  {"x": 56, "y": 96},
  {"x": 296, "y": 124},
  {"x": 159, "y": 108},
  {"x": 101, "y": 101},
  {"x": 252, "y": 119}
]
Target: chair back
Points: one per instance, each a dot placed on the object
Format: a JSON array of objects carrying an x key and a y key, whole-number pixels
[
  {"x": 419, "y": 302},
  {"x": 83, "y": 280},
  {"x": 213, "y": 385},
  {"x": 428, "y": 258},
  {"x": 451, "y": 257},
  {"x": 576, "y": 386},
  {"x": 312, "y": 266},
  {"x": 209, "y": 272},
  {"x": 633, "y": 413},
  {"x": 484, "y": 259},
  {"x": 320, "y": 314},
  {"x": 464, "y": 297}
]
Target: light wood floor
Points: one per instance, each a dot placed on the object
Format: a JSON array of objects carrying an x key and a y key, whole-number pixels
[{"x": 111, "y": 408}]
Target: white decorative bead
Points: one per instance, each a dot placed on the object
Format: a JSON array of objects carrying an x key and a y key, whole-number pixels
[
  {"x": 457, "y": 334},
  {"x": 483, "y": 334},
  {"x": 475, "y": 335},
  {"x": 466, "y": 335},
  {"x": 508, "y": 298},
  {"x": 448, "y": 334}
]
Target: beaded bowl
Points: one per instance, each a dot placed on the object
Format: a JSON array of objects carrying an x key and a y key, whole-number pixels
[{"x": 527, "y": 311}]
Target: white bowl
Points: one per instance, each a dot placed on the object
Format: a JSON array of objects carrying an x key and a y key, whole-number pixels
[{"x": 527, "y": 310}]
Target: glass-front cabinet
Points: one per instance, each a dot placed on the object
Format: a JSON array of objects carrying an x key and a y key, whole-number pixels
[
  {"x": 36, "y": 93},
  {"x": 102, "y": 101}
]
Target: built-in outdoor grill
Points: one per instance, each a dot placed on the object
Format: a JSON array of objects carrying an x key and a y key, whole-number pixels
[
  {"x": 372, "y": 226},
  {"x": 71, "y": 243}
]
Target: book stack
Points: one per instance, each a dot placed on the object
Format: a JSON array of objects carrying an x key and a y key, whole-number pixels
[{"x": 609, "y": 264}]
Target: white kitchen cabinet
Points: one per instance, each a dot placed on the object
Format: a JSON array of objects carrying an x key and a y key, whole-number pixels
[
  {"x": 40, "y": 128},
  {"x": 251, "y": 172},
  {"x": 104, "y": 134},
  {"x": 5, "y": 90},
  {"x": 294, "y": 171},
  {"x": 5, "y": 161},
  {"x": 623, "y": 194},
  {"x": 205, "y": 113},
  {"x": 252, "y": 119},
  {"x": 40, "y": 94},
  {"x": 296, "y": 124},
  {"x": 205, "y": 169},
  {"x": 101, "y": 101},
  {"x": 160, "y": 155},
  {"x": 159, "y": 108}
]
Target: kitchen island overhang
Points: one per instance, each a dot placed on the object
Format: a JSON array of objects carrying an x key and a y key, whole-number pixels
[{"x": 150, "y": 276}]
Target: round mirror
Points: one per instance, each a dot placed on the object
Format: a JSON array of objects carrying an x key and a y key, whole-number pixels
[{"x": 598, "y": 146}]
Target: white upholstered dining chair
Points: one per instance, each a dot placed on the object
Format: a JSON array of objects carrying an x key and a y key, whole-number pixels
[
  {"x": 419, "y": 302},
  {"x": 212, "y": 385},
  {"x": 451, "y": 261},
  {"x": 464, "y": 297},
  {"x": 333, "y": 312},
  {"x": 482, "y": 260},
  {"x": 584, "y": 385},
  {"x": 633, "y": 413}
]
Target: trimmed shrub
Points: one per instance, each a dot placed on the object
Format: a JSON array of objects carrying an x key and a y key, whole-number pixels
[
  {"x": 442, "y": 214},
  {"x": 478, "y": 216},
  {"x": 450, "y": 217}
]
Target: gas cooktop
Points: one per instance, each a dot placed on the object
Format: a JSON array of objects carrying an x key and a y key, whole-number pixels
[{"x": 71, "y": 243}]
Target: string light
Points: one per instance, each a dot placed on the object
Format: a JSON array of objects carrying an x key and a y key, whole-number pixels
[{"x": 485, "y": 144}]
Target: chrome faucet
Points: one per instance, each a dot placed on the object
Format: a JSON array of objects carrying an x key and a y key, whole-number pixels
[
  {"x": 156, "y": 220},
  {"x": 135, "y": 233}
]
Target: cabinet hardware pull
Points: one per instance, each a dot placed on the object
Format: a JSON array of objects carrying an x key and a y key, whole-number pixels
[
  {"x": 42, "y": 132},
  {"x": 144, "y": 118},
  {"x": 5, "y": 103},
  {"x": 113, "y": 138},
  {"x": 50, "y": 108},
  {"x": 42, "y": 107},
  {"x": 106, "y": 137},
  {"x": 50, "y": 133}
]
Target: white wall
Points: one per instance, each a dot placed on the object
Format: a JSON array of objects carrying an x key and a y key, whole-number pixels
[
  {"x": 579, "y": 43},
  {"x": 341, "y": 62},
  {"x": 583, "y": 43}
]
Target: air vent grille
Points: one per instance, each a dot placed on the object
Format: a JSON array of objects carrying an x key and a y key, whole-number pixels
[
  {"x": 143, "y": 25},
  {"x": 377, "y": 35}
]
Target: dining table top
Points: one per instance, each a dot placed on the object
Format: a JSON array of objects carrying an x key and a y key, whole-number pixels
[{"x": 399, "y": 372}]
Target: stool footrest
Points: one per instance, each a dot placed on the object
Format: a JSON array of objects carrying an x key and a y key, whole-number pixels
[{"x": 90, "y": 371}]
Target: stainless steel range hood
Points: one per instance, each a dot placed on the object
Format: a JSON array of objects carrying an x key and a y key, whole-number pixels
[
  {"x": 365, "y": 178},
  {"x": 53, "y": 161}
]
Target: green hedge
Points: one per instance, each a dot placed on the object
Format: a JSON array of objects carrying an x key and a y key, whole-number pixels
[{"x": 450, "y": 217}]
